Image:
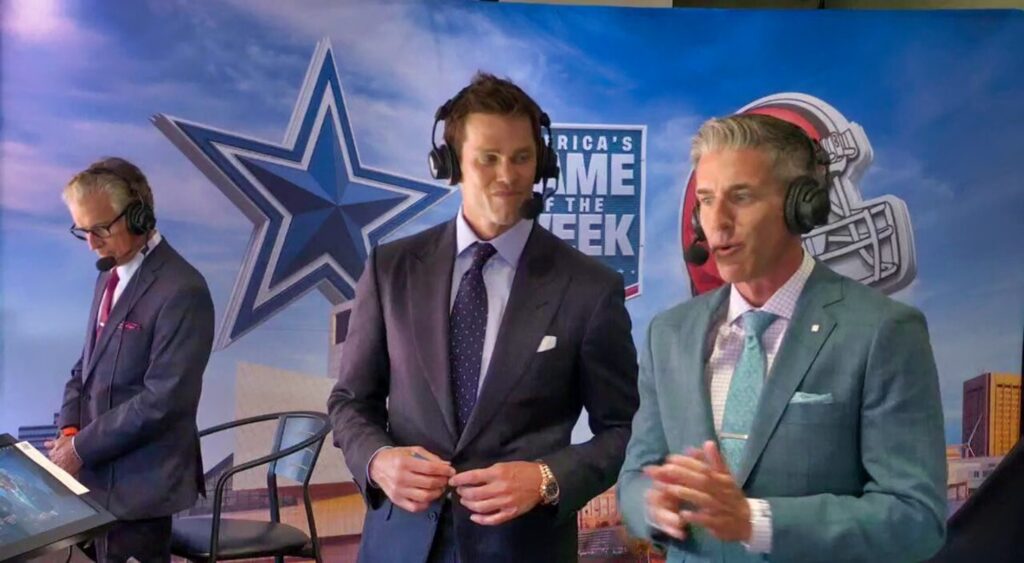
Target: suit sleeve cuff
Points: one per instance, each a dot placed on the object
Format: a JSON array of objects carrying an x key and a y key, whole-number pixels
[
  {"x": 369, "y": 480},
  {"x": 760, "y": 526}
]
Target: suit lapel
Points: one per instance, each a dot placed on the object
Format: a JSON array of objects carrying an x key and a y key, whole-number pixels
[
  {"x": 136, "y": 288},
  {"x": 429, "y": 290},
  {"x": 94, "y": 311},
  {"x": 810, "y": 327},
  {"x": 537, "y": 292}
]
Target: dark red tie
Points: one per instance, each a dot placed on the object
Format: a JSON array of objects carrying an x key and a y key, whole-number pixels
[{"x": 108, "y": 301}]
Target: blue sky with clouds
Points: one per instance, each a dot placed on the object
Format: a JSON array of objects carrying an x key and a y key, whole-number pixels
[{"x": 937, "y": 93}]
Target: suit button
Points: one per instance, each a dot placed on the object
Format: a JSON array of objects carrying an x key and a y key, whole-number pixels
[{"x": 432, "y": 516}]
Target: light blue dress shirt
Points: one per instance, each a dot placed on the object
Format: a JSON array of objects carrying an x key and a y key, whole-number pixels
[{"x": 499, "y": 272}]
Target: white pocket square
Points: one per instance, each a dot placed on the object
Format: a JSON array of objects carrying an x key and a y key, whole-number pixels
[
  {"x": 547, "y": 343},
  {"x": 810, "y": 398}
]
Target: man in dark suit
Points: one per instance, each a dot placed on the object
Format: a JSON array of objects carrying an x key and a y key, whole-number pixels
[
  {"x": 471, "y": 349},
  {"x": 129, "y": 415}
]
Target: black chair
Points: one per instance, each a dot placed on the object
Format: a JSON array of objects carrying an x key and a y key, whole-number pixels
[{"x": 297, "y": 443}]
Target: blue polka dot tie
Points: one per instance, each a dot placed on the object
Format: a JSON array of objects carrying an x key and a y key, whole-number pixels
[
  {"x": 744, "y": 389},
  {"x": 466, "y": 337}
]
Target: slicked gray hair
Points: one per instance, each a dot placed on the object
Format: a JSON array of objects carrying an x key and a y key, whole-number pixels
[
  {"x": 118, "y": 178},
  {"x": 791, "y": 150}
]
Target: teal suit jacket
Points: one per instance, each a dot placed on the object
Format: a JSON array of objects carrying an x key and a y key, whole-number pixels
[{"x": 847, "y": 445}]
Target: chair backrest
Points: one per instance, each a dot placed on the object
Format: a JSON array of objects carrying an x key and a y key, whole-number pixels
[{"x": 292, "y": 429}]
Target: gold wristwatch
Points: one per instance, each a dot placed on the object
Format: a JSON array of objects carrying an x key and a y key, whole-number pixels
[{"x": 548, "y": 485}]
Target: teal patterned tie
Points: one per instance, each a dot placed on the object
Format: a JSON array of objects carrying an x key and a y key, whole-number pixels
[{"x": 744, "y": 389}]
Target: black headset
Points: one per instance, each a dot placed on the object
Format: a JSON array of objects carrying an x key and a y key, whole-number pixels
[
  {"x": 806, "y": 205},
  {"x": 138, "y": 215},
  {"x": 444, "y": 163}
]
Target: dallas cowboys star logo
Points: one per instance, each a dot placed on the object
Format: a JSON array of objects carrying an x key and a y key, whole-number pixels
[{"x": 316, "y": 209}]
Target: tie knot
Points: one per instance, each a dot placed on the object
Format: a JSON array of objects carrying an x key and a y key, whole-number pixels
[
  {"x": 755, "y": 322},
  {"x": 114, "y": 278},
  {"x": 482, "y": 252}
]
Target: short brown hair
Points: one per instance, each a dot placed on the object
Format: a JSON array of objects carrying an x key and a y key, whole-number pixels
[
  {"x": 487, "y": 93},
  {"x": 118, "y": 178}
]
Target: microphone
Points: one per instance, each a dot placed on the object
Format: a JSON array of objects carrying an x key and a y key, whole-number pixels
[
  {"x": 533, "y": 207},
  {"x": 696, "y": 254},
  {"x": 106, "y": 263}
]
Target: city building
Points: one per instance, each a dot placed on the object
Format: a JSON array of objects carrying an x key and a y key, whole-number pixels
[{"x": 991, "y": 414}]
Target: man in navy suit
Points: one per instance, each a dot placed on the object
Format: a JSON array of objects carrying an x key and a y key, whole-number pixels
[
  {"x": 128, "y": 421},
  {"x": 471, "y": 350}
]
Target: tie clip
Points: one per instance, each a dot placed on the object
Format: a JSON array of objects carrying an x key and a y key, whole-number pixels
[{"x": 732, "y": 436}]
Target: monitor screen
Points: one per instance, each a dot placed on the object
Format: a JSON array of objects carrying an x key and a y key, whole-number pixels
[{"x": 36, "y": 508}]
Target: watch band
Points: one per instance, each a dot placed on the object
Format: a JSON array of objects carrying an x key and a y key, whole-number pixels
[{"x": 546, "y": 482}]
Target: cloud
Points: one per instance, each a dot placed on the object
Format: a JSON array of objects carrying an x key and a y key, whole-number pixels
[
  {"x": 904, "y": 174},
  {"x": 33, "y": 180},
  {"x": 669, "y": 148},
  {"x": 32, "y": 183},
  {"x": 45, "y": 22},
  {"x": 913, "y": 294},
  {"x": 399, "y": 62}
]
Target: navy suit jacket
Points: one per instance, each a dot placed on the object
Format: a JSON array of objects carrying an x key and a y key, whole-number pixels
[
  {"x": 394, "y": 390},
  {"x": 134, "y": 393}
]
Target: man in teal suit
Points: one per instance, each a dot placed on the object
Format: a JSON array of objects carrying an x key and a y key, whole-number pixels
[{"x": 793, "y": 414}]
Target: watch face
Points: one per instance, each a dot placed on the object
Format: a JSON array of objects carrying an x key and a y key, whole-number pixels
[{"x": 551, "y": 490}]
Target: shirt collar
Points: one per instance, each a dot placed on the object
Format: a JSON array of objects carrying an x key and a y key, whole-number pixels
[
  {"x": 509, "y": 244},
  {"x": 127, "y": 270},
  {"x": 782, "y": 303}
]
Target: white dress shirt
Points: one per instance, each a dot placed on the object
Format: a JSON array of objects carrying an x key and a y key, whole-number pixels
[
  {"x": 498, "y": 272},
  {"x": 725, "y": 339},
  {"x": 127, "y": 270}
]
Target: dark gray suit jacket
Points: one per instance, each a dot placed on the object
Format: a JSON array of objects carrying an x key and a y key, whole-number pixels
[
  {"x": 394, "y": 390},
  {"x": 135, "y": 394}
]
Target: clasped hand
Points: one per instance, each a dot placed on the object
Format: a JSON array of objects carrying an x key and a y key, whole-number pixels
[{"x": 413, "y": 478}]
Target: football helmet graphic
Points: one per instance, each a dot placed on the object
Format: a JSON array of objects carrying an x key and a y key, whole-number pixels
[{"x": 870, "y": 241}]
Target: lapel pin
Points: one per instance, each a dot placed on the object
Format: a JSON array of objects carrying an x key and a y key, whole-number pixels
[{"x": 814, "y": 328}]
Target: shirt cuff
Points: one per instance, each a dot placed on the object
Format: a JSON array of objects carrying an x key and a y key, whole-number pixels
[
  {"x": 760, "y": 526},
  {"x": 369, "y": 480},
  {"x": 74, "y": 450}
]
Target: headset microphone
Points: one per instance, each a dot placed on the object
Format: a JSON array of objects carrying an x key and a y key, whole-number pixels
[
  {"x": 106, "y": 263},
  {"x": 533, "y": 207},
  {"x": 697, "y": 253}
]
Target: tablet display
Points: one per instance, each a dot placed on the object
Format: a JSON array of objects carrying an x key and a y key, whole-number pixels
[{"x": 36, "y": 508}]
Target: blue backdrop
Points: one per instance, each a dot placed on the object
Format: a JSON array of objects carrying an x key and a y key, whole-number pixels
[{"x": 243, "y": 111}]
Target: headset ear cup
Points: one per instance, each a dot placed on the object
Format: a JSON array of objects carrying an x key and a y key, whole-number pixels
[
  {"x": 547, "y": 166},
  {"x": 442, "y": 164},
  {"x": 806, "y": 205},
  {"x": 439, "y": 169},
  {"x": 453, "y": 165},
  {"x": 139, "y": 218},
  {"x": 547, "y": 160},
  {"x": 818, "y": 206}
]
